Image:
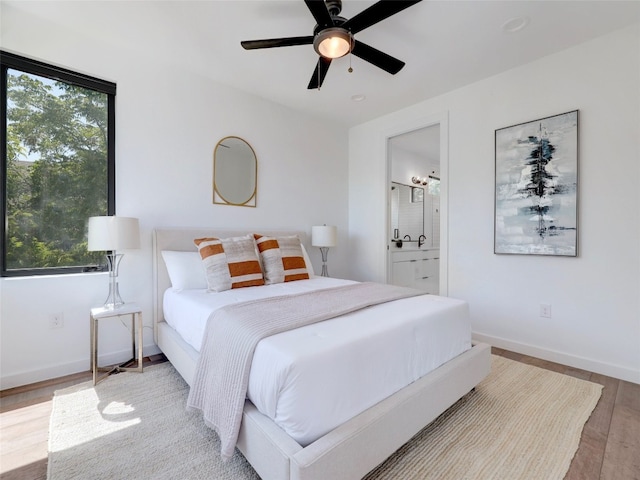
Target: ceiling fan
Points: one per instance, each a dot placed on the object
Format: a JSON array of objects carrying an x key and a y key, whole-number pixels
[{"x": 333, "y": 36}]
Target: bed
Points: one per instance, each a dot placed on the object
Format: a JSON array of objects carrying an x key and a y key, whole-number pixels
[{"x": 370, "y": 436}]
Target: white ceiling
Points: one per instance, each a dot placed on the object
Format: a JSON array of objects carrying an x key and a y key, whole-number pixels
[{"x": 445, "y": 44}]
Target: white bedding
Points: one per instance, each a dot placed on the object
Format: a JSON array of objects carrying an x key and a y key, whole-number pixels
[{"x": 336, "y": 368}]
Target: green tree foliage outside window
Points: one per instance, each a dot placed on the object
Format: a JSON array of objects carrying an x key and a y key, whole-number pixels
[{"x": 57, "y": 172}]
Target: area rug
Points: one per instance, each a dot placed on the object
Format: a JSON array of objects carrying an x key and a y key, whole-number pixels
[{"x": 521, "y": 422}]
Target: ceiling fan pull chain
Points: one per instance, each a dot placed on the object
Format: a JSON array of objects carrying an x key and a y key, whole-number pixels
[{"x": 350, "y": 69}]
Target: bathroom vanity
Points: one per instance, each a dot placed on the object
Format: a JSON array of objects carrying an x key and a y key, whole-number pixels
[{"x": 416, "y": 268}]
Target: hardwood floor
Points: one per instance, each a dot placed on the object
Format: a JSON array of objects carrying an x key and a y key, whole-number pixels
[{"x": 609, "y": 448}]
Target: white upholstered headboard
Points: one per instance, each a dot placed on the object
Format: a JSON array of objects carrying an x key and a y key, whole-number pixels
[{"x": 181, "y": 239}]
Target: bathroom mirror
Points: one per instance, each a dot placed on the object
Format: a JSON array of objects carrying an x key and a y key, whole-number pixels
[
  {"x": 407, "y": 211},
  {"x": 235, "y": 173}
]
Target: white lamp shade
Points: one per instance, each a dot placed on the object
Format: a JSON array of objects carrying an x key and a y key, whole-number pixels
[
  {"x": 324, "y": 236},
  {"x": 113, "y": 233}
]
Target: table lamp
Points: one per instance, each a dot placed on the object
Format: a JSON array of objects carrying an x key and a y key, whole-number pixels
[
  {"x": 324, "y": 237},
  {"x": 111, "y": 233}
]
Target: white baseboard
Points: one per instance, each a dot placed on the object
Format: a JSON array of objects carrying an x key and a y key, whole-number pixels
[
  {"x": 69, "y": 368},
  {"x": 603, "y": 368}
]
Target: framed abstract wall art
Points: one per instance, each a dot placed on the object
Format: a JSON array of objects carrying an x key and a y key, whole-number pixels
[{"x": 536, "y": 196}]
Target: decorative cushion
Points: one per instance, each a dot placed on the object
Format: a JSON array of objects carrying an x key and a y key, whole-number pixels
[
  {"x": 185, "y": 269},
  {"x": 282, "y": 259},
  {"x": 230, "y": 262}
]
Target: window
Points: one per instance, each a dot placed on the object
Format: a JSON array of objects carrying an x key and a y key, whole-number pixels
[{"x": 58, "y": 166}]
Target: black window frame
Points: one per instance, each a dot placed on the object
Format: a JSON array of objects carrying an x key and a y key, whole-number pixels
[{"x": 10, "y": 60}]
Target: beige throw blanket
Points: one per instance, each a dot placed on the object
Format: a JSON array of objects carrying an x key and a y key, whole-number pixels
[{"x": 222, "y": 373}]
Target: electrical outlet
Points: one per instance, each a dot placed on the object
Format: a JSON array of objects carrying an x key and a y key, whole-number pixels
[
  {"x": 545, "y": 310},
  {"x": 56, "y": 320}
]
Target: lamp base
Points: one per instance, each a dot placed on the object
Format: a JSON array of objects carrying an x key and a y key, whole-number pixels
[
  {"x": 114, "y": 299},
  {"x": 324, "y": 251}
]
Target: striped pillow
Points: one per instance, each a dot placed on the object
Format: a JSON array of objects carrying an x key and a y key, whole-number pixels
[
  {"x": 230, "y": 262},
  {"x": 282, "y": 259}
]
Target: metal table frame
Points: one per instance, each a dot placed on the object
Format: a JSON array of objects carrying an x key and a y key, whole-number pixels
[{"x": 100, "y": 313}]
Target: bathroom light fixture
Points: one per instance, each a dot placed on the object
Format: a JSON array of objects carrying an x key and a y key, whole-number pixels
[
  {"x": 111, "y": 233},
  {"x": 333, "y": 42},
  {"x": 324, "y": 237},
  {"x": 420, "y": 181}
]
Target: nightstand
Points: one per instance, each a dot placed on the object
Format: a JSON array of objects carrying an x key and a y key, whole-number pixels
[{"x": 100, "y": 313}]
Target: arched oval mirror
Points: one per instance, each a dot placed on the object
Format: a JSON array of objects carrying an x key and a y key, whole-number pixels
[{"x": 235, "y": 173}]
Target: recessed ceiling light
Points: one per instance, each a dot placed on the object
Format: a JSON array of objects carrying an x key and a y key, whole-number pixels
[
  {"x": 358, "y": 98},
  {"x": 515, "y": 24}
]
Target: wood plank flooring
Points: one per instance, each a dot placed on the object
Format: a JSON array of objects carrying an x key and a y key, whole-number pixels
[{"x": 609, "y": 448}]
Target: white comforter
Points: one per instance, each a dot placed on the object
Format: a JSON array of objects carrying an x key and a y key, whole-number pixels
[{"x": 312, "y": 379}]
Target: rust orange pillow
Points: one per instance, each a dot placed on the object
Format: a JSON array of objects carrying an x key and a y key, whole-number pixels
[
  {"x": 282, "y": 259},
  {"x": 230, "y": 262}
]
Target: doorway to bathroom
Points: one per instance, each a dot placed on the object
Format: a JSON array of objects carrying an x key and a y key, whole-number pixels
[{"x": 414, "y": 216}]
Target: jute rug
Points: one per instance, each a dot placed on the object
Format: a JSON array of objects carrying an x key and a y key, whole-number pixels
[{"x": 521, "y": 422}]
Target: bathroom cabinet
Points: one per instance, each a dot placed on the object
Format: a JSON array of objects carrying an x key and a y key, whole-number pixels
[{"x": 417, "y": 269}]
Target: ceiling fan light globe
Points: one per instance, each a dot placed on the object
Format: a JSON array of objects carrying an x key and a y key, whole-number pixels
[
  {"x": 333, "y": 43},
  {"x": 334, "y": 47}
]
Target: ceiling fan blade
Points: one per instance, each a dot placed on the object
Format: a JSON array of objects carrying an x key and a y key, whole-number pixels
[
  {"x": 319, "y": 73},
  {"x": 377, "y": 58},
  {"x": 276, "y": 42},
  {"x": 320, "y": 12},
  {"x": 375, "y": 13}
]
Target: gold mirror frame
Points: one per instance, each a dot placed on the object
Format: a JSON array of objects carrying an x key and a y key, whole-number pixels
[{"x": 235, "y": 173}]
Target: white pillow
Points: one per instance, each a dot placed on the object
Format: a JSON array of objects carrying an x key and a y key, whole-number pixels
[
  {"x": 185, "y": 270},
  {"x": 307, "y": 261}
]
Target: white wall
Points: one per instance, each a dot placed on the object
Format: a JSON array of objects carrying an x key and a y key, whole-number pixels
[
  {"x": 595, "y": 320},
  {"x": 168, "y": 122}
]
